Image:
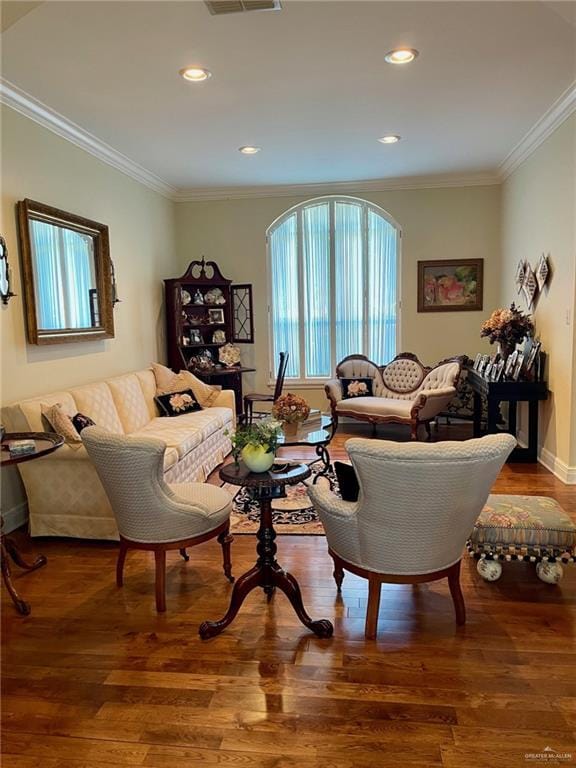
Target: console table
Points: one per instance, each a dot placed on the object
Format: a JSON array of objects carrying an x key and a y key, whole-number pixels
[{"x": 511, "y": 392}]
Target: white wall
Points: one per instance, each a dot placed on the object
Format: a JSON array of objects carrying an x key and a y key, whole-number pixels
[
  {"x": 538, "y": 215},
  {"x": 436, "y": 224}
]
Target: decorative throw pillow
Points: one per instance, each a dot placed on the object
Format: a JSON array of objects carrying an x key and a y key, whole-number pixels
[
  {"x": 347, "y": 481},
  {"x": 167, "y": 382},
  {"x": 61, "y": 422},
  {"x": 81, "y": 422},
  {"x": 177, "y": 403},
  {"x": 359, "y": 387}
]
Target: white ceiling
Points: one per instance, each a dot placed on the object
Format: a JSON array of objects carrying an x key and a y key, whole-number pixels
[{"x": 308, "y": 84}]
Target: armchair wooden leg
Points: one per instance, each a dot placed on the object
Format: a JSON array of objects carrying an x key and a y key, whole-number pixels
[
  {"x": 225, "y": 539},
  {"x": 414, "y": 430},
  {"x": 428, "y": 430},
  {"x": 456, "y": 592},
  {"x": 374, "y": 586},
  {"x": 160, "y": 558},
  {"x": 338, "y": 573},
  {"x": 120, "y": 564}
]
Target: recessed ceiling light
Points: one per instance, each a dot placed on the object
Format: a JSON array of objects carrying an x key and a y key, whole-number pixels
[
  {"x": 401, "y": 56},
  {"x": 195, "y": 74},
  {"x": 249, "y": 150},
  {"x": 392, "y": 139}
]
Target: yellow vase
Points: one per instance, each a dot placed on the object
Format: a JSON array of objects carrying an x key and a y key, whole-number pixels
[{"x": 257, "y": 458}]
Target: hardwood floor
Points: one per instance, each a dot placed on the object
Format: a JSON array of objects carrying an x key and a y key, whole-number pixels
[{"x": 95, "y": 678}]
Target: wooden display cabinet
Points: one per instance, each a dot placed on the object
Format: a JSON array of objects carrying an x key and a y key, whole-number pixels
[{"x": 194, "y": 326}]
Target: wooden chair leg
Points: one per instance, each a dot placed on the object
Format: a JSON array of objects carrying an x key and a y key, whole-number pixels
[
  {"x": 225, "y": 539},
  {"x": 414, "y": 430},
  {"x": 120, "y": 564},
  {"x": 428, "y": 430},
  {"x": 456, "y": 592},
  {"x": 185, "y": 556},
  {"x": 160, "y": 558},
  {"x": 338, "y": 572},
  {"x": 374, "y": 586}
]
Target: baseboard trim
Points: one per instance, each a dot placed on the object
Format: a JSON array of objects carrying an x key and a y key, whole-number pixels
[
  {"x": 15, "y": 517},
  {"x": 560, "y": 469}
]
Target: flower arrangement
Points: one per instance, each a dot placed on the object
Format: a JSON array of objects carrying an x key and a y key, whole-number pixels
[
  {"x": 507, "y": 326},
  {"x": 260, "y": 435},
  {"x": 291, "y": 409}
]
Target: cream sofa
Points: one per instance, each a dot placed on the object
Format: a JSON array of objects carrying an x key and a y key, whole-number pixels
[
  {"x": 65, "y": 496},
  {"x": 404, "y": 391}
]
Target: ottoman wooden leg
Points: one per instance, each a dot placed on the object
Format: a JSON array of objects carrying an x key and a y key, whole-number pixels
[
  {"x": 550, "y": 573},
  {"x": 490, "y": 570}
]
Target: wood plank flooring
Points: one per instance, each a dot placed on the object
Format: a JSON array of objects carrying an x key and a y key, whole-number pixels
[{"x": 94, "y": 678}]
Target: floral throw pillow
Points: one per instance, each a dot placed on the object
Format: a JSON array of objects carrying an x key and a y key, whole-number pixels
[
  {"x": 359, "y": 387},
  {"x": 177, "y": 403}
]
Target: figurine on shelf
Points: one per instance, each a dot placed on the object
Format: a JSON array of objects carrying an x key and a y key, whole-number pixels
[
  {"x": 215, "y": 296},
  {"x": 196, "y": 336},
  {"x": 185, "y": 297},
  {"x": 198, "y": 298},
  {"x": 202, "y": 362},
  {"x": 219, "y": 337}
]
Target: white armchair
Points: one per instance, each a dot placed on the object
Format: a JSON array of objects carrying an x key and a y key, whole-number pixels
[
  {"x": 151, "y": 514},
  {"x": 404, "y": 391},
  {"x": 417, "y": 505}
]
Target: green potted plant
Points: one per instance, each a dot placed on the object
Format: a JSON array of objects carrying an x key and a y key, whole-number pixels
[{"x": 256, "y": 444}]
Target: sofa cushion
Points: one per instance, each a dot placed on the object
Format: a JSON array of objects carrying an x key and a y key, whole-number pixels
[
  {"x": 170, "y": 458},
  {"x": 96, "y": 401},
  {"x": 168, "y": 381},
  {"x": 213, "y": 501},
  {"x": 177, "y": 403},
  {"x": 147, "y": 382},
  {"x": 376, "y": 406},
  {"x": 130, "y": 402},
  {"x": 32, "y": 409},
  {"x": 529, "y": 521},
  {"x": 173, "y": 433},
  {"x": 61, "y": 422},
  {"x": 356, "y": 387},
  {"x": 403, "y": 375}
]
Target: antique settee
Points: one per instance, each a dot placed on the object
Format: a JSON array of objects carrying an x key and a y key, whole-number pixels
[
  {"x": 404, "y": 391},
  {"x": 65, "y": 495}
]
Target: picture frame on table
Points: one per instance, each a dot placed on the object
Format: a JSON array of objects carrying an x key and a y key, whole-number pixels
[
  {"x": 498, "y": 370},
  {"x": 518, "y": 367},
  {"x": 511, "y": 364},
  {"x": 196, "y": 336},
  {"x": 477, "y": 361},
  {"x": 488, "y": 370},
  {"x": 532, "y": 360},
  {"x": 216, "y": 316}
]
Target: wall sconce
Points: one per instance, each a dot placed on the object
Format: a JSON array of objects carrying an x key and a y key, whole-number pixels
[{"x": 5, "y": 274}]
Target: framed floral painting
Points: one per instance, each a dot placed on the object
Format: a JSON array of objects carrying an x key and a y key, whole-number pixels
[{"x": 450, "y": 285}]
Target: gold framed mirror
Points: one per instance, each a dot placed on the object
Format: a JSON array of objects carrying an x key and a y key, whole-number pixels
[{"x": 66, "y": 275}]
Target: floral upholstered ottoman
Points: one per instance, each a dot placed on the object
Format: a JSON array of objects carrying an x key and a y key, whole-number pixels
[{"x": 531, "y": 528}]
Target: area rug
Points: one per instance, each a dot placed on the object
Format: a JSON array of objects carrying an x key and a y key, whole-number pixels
[{"x": 292, "y": 515}]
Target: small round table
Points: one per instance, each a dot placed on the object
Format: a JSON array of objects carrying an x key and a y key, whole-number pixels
[
  {"x": 46, "y": 442},
  {"x": 318, "y": 435},
  {"x": 267, "y": 573}
]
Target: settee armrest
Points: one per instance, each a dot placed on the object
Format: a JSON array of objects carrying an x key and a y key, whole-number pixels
[
  {"x": 430, "y": 402},
  {"x": 226, "y": 399},
  {"x": 333, "y": 389}
]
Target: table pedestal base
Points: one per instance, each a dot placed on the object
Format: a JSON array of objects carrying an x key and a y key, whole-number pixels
[
  {"x": 269, "y": 575},
  {"x": 9, "y": 549}
]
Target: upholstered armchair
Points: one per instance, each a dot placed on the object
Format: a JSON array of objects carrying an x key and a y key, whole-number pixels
[
  {"x": 417, "y": 505},
  {"x": 151, "y": 514},
  {"x": 404, "y": 391}
]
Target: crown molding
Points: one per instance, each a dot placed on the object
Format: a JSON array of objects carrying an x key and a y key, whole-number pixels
[
  {"x": 28, "y": 106},
  {"x": 562, "y": 108},
  {"x": 343, "y": 187}
]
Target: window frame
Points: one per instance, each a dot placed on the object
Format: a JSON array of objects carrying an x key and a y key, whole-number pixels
[{"x": 304, "y": 382}]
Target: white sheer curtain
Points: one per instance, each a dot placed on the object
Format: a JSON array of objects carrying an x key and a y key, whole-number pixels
[
  {"x": 334, "y": 269},
  {"x": 63, "y": 276}
]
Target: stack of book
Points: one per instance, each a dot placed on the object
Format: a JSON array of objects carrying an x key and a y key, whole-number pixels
[
  {"x": 314, "y": 417},
  {"x": 21, "y": 447}
]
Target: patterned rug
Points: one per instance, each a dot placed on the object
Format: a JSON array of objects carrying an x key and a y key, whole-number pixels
[{"x": 293, "y": 514}]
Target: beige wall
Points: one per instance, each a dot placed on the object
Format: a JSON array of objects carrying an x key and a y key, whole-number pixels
[
  {"x": 42, "y": 166},
  {"x": 538, "y": 214},
  {"x": 436, "y": 224},
  {"x": 38, "y": 164}
]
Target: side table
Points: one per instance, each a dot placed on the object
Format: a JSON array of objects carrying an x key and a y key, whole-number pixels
[
  {"x": 46, "y": 442},
  {"x": 266, "y": 573},
  {"x": 512, "y": 392}
]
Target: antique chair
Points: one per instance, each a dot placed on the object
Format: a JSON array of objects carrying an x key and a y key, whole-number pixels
[
  {"x": 254, "y": 397},
  {"x": 417, "y": 505},
  {"x": 404, "y": 391},
  {"x": 151, "y": 514}
]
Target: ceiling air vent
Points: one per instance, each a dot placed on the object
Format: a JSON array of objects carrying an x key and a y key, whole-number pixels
[{"x": 218, "y": 7}]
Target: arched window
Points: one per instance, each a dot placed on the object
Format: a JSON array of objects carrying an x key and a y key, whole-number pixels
[{"x": 333, "y": 270}]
